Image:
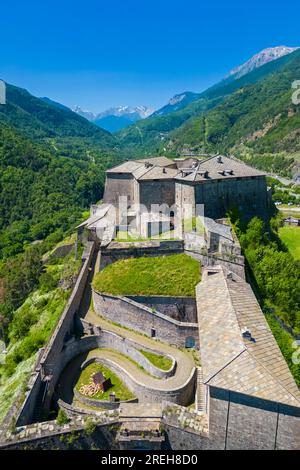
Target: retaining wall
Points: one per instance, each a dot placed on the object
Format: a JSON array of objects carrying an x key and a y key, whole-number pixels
[
  {"x": 138, "y": 317},
  {"x": 183, "y": 309},
  {"x": 234, "y": 263},
  {"x": 116, "y": 251}
]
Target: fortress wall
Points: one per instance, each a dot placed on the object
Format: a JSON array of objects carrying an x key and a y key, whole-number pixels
[
  {"x": 121, "y": 250},
  {"x": 185, "y": 195},
  {"x": 107, "y": 339},
  {"x": 157, "y": 192},
  {"x": 183, "y": 309},
  {"x": 118, "y": 185},
  {"x": 138, "y": 317},
  {"x": 50, "y": 360},
  {"x": 234, "y": 263},
  {"x": 248, "y": 194},
  {"x": 240, "y": 422}
]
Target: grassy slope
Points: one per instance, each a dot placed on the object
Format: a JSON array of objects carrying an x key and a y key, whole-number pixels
[
  {"x": 118, "y": 387},
  {"x": 166, "y": 275},
  {"x": 162, "y": 362},
  {"x": 30, "y": 329},
  {"x": 291, "y": 238}
]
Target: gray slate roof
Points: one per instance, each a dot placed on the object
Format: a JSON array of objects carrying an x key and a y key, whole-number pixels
[
  {"x": 219, "y": 167},
  {"x": 226, "y": 307}
]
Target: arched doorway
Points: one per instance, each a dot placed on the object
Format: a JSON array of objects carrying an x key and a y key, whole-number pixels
[{"x": 189, "y": 342}]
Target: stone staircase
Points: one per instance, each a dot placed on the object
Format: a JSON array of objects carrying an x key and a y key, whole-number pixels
[{"x": 200, "y": 392}]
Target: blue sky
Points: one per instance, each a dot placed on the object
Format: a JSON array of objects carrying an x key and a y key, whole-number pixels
[{"x": 98, "y": 54}]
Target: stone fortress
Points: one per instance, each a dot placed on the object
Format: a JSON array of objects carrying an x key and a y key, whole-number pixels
[{"x": 228, "y": 386}]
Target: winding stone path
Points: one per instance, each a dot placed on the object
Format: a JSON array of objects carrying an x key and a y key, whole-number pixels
[{"x": 184, "y": 359}]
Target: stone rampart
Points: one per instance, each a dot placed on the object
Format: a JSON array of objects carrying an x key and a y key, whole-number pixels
[
  {"x": 116, "y": 251},
  {"x": 137, "y": 316},
  {"x": 46, "y": 375}
]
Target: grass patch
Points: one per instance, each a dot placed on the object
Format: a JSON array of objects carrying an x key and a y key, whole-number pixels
[
  {"x": 118, "y": 387},
  {"x": 165, "y": 275},
  {"x": 291, "y": 238},
  {"x": 159, "y": 361},
  {"x": 11, "y": 387}
]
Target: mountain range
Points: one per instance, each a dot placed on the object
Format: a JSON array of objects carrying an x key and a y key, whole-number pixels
[
  {"x": 114, "y": 119},
  {"x": 53, "y": 160},
  {"x": 267, "y": 55},
  {"x": 250, "y": 114}
]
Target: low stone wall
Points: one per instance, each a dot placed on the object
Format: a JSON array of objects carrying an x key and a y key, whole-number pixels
[
  {"x": 183, "y": 309},
  {"x": 136, "y": 316},
  {"x": 116, "y": 251},
  {"x": 108, "y": 405},
  {"x": 182, "y": 395},
  {"x": 109, "y": 340},
  {"x": 234, "y": 263}
]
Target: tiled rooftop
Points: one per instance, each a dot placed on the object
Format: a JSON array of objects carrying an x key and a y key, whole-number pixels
[
  {"x": 230, "y": 360},
  {"x": 219, "y": 167}
]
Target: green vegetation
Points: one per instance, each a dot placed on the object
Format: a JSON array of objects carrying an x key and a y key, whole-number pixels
[
  {"x": 161, "y": 362},
  {"x": 12, "y": 387},
  {"x": 62, "y": 418},
  {"x": 286, "y": 343},
  {"x": 291, "y": 238},
  {"x": 34, "y": 318},
  {"x": 34, "y": 321},
  {"x": 165, "y": 275},
  {"x": 118, "y": 387},
  {"x": 275, "y": 277},
  {"x": 276, "y": 272},
  {"x": 253, "y": 117}
]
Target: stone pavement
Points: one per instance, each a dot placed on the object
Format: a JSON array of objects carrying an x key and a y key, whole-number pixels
[{"x": 184, "y": 359}]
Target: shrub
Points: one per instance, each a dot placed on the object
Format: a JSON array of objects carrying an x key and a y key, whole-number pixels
[{"x": 62, "y": 418}]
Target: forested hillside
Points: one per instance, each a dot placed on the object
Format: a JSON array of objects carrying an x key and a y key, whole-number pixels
[
  {"x": 52, "y": 167},
  {"x": 258, "y": 121},
  {"x": 251, "y": 117}
]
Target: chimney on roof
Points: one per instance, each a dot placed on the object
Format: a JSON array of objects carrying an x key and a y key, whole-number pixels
[
  {"x": 164, "y": 170},
  {"x": 219, "y": 159}
]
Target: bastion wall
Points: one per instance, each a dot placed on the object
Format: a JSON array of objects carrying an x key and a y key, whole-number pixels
[{"x": 139, "y": 317}]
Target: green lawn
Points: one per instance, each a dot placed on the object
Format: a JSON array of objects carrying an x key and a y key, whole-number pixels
[
  {"x": 161, "y": 362},
  {"x": 118, "y": 387},
  {"x": 291, "y": 238},
  {"x": 165, "y": 275}
]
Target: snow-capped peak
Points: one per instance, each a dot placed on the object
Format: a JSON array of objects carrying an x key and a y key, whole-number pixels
[{"x": 262, "y": 58}]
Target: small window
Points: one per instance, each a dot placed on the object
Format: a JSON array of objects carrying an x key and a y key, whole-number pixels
[{"x": 153, "y": 333}]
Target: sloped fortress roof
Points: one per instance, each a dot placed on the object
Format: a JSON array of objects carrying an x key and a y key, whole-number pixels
[
  {"x": 215, "y": 167},
  {"x": 238, "y": 350}
]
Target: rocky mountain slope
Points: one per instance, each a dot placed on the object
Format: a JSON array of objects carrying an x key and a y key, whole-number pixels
[
  {"x": 114, "y": 119},
  {"x": 174, "y": 132}
]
